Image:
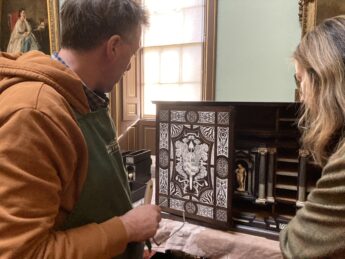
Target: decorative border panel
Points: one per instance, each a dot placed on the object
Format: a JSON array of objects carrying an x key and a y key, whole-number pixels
[{"x": 195, "y": 156}]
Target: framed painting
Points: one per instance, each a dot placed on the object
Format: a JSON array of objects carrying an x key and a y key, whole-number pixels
[
  {"x": 312, "y": 12},
  {"x": 29, "y": 25},
  {"x": 194, "y": 161}
]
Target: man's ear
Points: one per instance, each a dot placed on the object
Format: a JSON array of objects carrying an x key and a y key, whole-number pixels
[{"x": 113, "y": 44}]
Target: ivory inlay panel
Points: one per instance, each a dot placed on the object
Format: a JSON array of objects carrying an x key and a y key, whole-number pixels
[{"x": 197, "y": 143}]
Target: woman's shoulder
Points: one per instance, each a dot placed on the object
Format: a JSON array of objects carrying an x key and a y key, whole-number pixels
[
  {"x": 339, "y": 152},
  {"x": 334, "y": 170}
]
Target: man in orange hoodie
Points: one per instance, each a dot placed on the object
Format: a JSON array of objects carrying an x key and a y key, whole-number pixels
[{"x": 63, "y": 188}]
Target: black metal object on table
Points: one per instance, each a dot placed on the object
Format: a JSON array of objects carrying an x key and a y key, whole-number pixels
[{"x": 138, "y": 166}]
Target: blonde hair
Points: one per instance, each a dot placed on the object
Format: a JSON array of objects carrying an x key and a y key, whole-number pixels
[{"x": 322, "y": 53}]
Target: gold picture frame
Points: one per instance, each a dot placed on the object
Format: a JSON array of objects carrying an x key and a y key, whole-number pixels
[
  {"x": 312, "y": 12},
  {"x": 41, "y": 26},
  {"x": 54, "y": 25}
]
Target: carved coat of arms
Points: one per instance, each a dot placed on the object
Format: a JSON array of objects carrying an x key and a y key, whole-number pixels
[{"x": 191, "y": 166}]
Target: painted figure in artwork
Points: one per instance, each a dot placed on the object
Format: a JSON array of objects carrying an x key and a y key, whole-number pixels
[
  {"x": 241, "y": 174},
  {"x": 22, "y": 39},
  {"x": 41, "y": 33}
]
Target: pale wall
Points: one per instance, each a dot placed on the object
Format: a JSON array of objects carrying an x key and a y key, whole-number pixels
[{"x": 255, "y": 40}]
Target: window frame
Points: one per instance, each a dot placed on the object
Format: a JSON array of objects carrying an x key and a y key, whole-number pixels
[
  {"x": 208, "y": 60},
  {"x": 125, "y": 93}
]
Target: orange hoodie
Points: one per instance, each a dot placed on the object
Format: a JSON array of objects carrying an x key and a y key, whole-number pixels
[{"x": 43, "y": 163}]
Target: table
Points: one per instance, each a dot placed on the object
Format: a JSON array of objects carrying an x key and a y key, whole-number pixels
[
  {"x": 211, "y": 243},
  {"x": 206, "y": 242}
]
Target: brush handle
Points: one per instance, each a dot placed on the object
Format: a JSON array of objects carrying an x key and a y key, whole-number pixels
[{"x": 148, "y": 192}]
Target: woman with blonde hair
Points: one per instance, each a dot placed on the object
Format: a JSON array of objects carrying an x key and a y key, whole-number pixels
[{"x": 318, "y": 229}]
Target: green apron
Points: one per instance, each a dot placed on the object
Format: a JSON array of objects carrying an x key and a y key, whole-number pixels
[{"x": 105, "y": 193}]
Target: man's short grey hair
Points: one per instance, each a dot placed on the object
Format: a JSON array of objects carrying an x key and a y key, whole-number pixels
[{"x": 87, "y": 23}]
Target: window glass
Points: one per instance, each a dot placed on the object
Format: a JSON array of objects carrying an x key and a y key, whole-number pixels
[{"x": 172, "y": 52}]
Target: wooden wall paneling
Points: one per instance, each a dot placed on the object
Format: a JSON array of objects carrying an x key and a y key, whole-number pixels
[
  {"x": 147, "y": 135},
  {"x": 131, "y": 93},
  {"x": 125, "y": 108},
  {"x": 129, "y": 141},
  {"x": 132, "y": 138}
]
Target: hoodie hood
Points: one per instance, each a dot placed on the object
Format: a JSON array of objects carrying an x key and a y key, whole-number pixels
[{"x": 36, "y": 66}]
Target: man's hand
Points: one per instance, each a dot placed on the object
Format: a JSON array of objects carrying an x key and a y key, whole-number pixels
[{"x": 142, "y": 222}]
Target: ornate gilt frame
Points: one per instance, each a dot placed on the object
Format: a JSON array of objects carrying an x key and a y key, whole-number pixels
[
  {"x": 53, "y": 21},
  {"x": 307, "y": 14},
  {"x": 54, "y": 25},
  {"x": 312, "y": 12}
]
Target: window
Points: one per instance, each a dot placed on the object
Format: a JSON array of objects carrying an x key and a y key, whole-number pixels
[
  {"x": 176, "y": 62},
  {"x": 172, "y": 52}
]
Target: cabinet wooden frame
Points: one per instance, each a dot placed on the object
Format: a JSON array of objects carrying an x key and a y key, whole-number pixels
[
  {"x": 194, "y": 161},
  {"x": 278, "y": 173}
]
